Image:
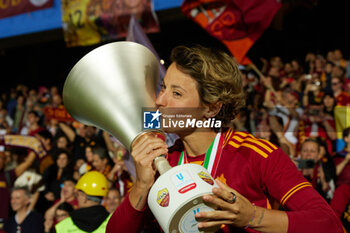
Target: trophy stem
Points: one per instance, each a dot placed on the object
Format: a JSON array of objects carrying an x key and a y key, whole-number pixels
[{"x": 162, "y": 164}]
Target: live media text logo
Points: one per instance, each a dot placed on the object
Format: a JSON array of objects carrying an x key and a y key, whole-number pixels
[{"x": 158, "y": 120}]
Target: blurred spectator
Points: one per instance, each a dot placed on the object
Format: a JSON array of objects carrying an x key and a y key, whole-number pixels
[
  {"x": 46, "y": 140},
  {"x": 4, "y": 125},
  {"x": 113, "y": 200},
  {"x": 338, "y": 58},
  {"x": 328, "y": 76},
  {"x": 310, "y": 62},
  {"x": 91, "y": 216},
  {"x": 11, "y": 104},
  {"x": 276, "y": 66},
  {"x": 32, "y": 96},
  {"x": 56, "y": 101},
  {"x": 32, "y": 126},
  {"x": 317, "y": 167},
  {"x": 328, "y": 166},
  {"x": 7, "y": 179},
  {"x": 100, "y": 160},
  {"x": 57, "y": 173},
  {"x": 119, "y": 177},
  {"x": 313, "y": 91},
  {"x": 330, "y": 56},
  {"x": 53, "y": 127},
  {"x": 88, "y": 138},
  {"x": 62, "y": 212},
  {"x": 24, "y": 220},
  {"x": 54, "y": 91},
  {"x": 313, "y": 123},
  {"x": 67, "y": 196},
  {"x": 297, "y": 69},
  {"x": 89, "y": 155},
  {"x": 329, "y": 103},
  {"x": 342, "y": 159},
  {"x": 289, "y": 111},
  {"x": 43, "y": 96},
  {"x": 19, "y": 113},
  {"x": 343, "y": 98},
  {"x": 61, "y": 142},
  {"x": 6, "y": 117}
]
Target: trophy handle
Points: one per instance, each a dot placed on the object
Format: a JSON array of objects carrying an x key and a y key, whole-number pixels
[{"x": 161, "y": 163}]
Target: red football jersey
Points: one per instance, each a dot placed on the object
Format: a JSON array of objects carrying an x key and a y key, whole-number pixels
[
  {"x": 343, "y": 99},
  {"x": 255, "y": 168},
  {"x": 259, "y": 171}
]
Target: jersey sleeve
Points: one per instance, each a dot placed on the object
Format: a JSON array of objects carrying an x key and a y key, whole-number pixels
[
  {"x": 126, "y": 219},
  {"x": 280, "y": 177},
  {"x": 307, "y": 211}
]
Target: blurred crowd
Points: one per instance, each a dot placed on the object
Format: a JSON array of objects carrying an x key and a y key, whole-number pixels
[
  {"x": 45, "y": 182},
  {"x": 290, "y": 103}
]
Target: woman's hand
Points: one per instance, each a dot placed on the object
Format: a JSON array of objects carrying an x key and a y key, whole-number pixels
[
  {"x": 50, "y": 196},
  {"x": 238, "y": 212},
  {"x": 144, "y": 151},
  {"x": 48, "y": 224}
]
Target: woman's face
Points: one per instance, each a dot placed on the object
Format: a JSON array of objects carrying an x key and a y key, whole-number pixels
[
  {"x": 68, "y": 189},
  {"x": 98, "y": 163},
  {"x": 88, "y": 154},
  {"x": 328, "y": 101},
  {"x": 309, "y": 150},
  {"x": 178, "y": 90},
  {"x": 318, "y": 63},
  {"x": 62, "y": 142},
  {"x": 295, "y": 65},
  {"x": 62, "y": 160},
  {"x": 20, "y": 100},
  {"x": 288, "y": 68},
  {"x": 179, "y": 95},
  {"x": 61, "y": 215},
  {"x": 113, "y": 200}
]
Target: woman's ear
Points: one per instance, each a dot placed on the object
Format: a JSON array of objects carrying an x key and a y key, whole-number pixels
[{"x": 212, "y": 110}]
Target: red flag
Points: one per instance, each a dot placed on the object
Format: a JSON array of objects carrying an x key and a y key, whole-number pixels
[{"x": 237, "y": 23}]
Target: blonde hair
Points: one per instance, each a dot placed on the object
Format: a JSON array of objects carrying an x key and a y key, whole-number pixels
[{"x": 217, "y": 75}]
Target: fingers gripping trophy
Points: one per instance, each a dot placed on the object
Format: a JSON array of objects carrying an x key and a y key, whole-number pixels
[{"x": 108, "y": 88}]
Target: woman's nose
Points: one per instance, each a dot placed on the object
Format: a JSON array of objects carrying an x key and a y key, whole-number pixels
[{"x": 161, "y": 99}]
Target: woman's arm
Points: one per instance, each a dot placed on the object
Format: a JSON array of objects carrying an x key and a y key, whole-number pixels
[
  {"x": 331, "y": 133},
  {"x": 309, "y": 213},
  {"x": 67, "y": 131},
  {"x": 340, "y": 167},
  {"x": 34, "y": 200},
  {"x": 129, "y": 215},
  {"x": 26, "y": 164}
]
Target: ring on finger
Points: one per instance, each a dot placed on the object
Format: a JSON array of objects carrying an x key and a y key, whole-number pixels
[{"x": 233, "y": 199}]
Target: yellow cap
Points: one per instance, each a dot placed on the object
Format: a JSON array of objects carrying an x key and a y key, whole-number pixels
[{"x": 93, "y": 183}]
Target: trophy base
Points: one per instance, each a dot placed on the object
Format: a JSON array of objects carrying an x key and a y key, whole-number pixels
[
  {"x": 184, "y": 220},
  {"x": 176, "y": 197}
]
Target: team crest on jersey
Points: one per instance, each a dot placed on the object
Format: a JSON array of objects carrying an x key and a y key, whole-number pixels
[
  {"x": 206, "y": 177},
  {"x": 163, "y": 197}
]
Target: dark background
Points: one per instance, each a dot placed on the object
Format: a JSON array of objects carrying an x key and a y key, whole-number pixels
[{"x": 300, "y": 26}]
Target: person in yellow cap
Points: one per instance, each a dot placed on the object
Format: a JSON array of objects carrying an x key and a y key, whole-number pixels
[{"x": 91, "y": 215}]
